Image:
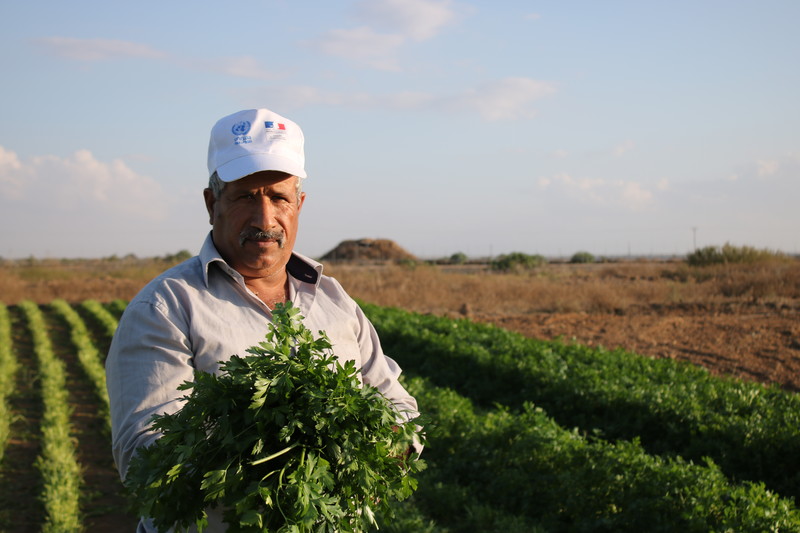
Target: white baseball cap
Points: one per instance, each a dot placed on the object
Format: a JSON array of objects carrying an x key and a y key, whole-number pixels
[{"x": 253, "y": 140}]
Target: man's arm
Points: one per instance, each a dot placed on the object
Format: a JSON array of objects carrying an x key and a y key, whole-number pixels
[
  {"x": 381, "y": 371},
  {"x": 150, "y": 356}
]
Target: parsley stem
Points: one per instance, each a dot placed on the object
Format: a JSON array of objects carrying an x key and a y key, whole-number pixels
[{"x": 274, "y": 455}]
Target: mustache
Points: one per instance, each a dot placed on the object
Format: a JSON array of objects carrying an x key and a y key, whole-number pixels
[{"x": 256, "y": 234}]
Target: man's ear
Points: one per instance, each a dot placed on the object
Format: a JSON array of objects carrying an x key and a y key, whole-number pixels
[{"x": 211, "y": 201}]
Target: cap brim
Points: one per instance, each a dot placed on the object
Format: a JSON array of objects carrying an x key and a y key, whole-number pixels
[{"x": 252, "y": 163}]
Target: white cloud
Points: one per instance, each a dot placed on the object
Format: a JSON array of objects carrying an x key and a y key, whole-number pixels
[
  {"x": 97, "y": 49},
  {"x": 766, "y": 169},
  {"x": 416, "y": 19},
  {"x": 634, "y": 195},
  {"x": 239, "y": 67},
  {"x": 299, "y": 96},
  {"x": 12, "y": 175},
  {"x": 79, "y": 184},
  {"x": 363, "y": 46},
  {"x": 400, "y": 21},
  {"x": 598, "y": 192},
  {"x": 777, "y": 168},
  {"x": 505, "y": 99},
  {"x": 624, "y": 147}
]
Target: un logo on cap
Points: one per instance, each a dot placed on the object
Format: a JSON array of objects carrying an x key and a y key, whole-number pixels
[{"x": 241, "y": 128}]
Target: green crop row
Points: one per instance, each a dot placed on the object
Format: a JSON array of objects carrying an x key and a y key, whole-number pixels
[
  {"x": 116, "y": 307},
  {"x": 57, "y": 463},
  {"x": 8, "y": 371},
  {"x": 497, "y": 470},
  {"x": 107, "y": 321},
  {"x": 673, "y": 408},
  {"x": 91, "y": 360}
]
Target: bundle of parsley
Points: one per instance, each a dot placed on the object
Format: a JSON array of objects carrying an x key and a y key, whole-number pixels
[{"x": 283, "y": 440}]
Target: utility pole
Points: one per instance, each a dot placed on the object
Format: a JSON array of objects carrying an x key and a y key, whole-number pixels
[{"x": 694, "y": 238}]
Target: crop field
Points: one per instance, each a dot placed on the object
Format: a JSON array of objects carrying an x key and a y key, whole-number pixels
[{"x": 525, "y": 433}]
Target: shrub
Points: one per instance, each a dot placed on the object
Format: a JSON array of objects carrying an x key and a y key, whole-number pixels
[
  {"x": 582, "y": 257},
  {"x": 517, "y": 261},
  {"x": 179, "y": 257},
  {"x": 458, "y": 258},
  {"x": 716, "y": 255}
]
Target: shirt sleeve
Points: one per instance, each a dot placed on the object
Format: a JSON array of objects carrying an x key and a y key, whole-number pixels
[
  {"x": 381, "y": 371},
  {"x": 149, "y": 358}
]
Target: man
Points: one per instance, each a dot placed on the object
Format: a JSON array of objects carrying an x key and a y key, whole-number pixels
[{"x": 218, "y": 303}]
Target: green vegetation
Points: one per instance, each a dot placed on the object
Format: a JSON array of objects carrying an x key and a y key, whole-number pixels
[
  {"x": 90, "y": 359},
  {"x": 458, "y": 258},
  {"x": 519, "y": 472},
  {"x": 116, "y": 308},
  {"x": 729, "y": 254},
  {"x": 517, "y": 261},
  {"x": 102, "y": 316},
  {"x": 8, "y": 371},
  {"x": 672, "y": 414},
  {"x": 582, "y": 257},
  {"x": 57, "y": 462},
  {"x": 179, "y": 257}
]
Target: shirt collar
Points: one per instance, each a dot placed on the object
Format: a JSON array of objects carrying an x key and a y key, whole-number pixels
[{"x": 299, "y": 266}]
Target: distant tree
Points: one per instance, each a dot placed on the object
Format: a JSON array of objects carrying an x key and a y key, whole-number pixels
[
  {"x": 183, "y": 255},
  {"x": 516, "y": 261},
  {"x": 458, "y": 258},
  {"x": 582, "y": 257}
]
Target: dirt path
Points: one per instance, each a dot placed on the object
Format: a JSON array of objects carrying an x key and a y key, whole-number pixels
[{"x": 756, "y": 342}]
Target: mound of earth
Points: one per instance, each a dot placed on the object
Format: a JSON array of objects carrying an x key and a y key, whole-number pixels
[{"x": 368, "y": 250}]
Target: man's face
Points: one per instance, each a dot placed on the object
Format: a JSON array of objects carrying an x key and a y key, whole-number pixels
[{"x": 255, "y": 222}]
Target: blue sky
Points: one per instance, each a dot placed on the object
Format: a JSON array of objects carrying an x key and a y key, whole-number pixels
[{"x": 618, "y": 127}]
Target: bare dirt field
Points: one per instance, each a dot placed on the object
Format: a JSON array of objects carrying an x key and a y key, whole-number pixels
[
  {"x": 742, "y": 320},
  {"x": 752, "y": 341}
]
